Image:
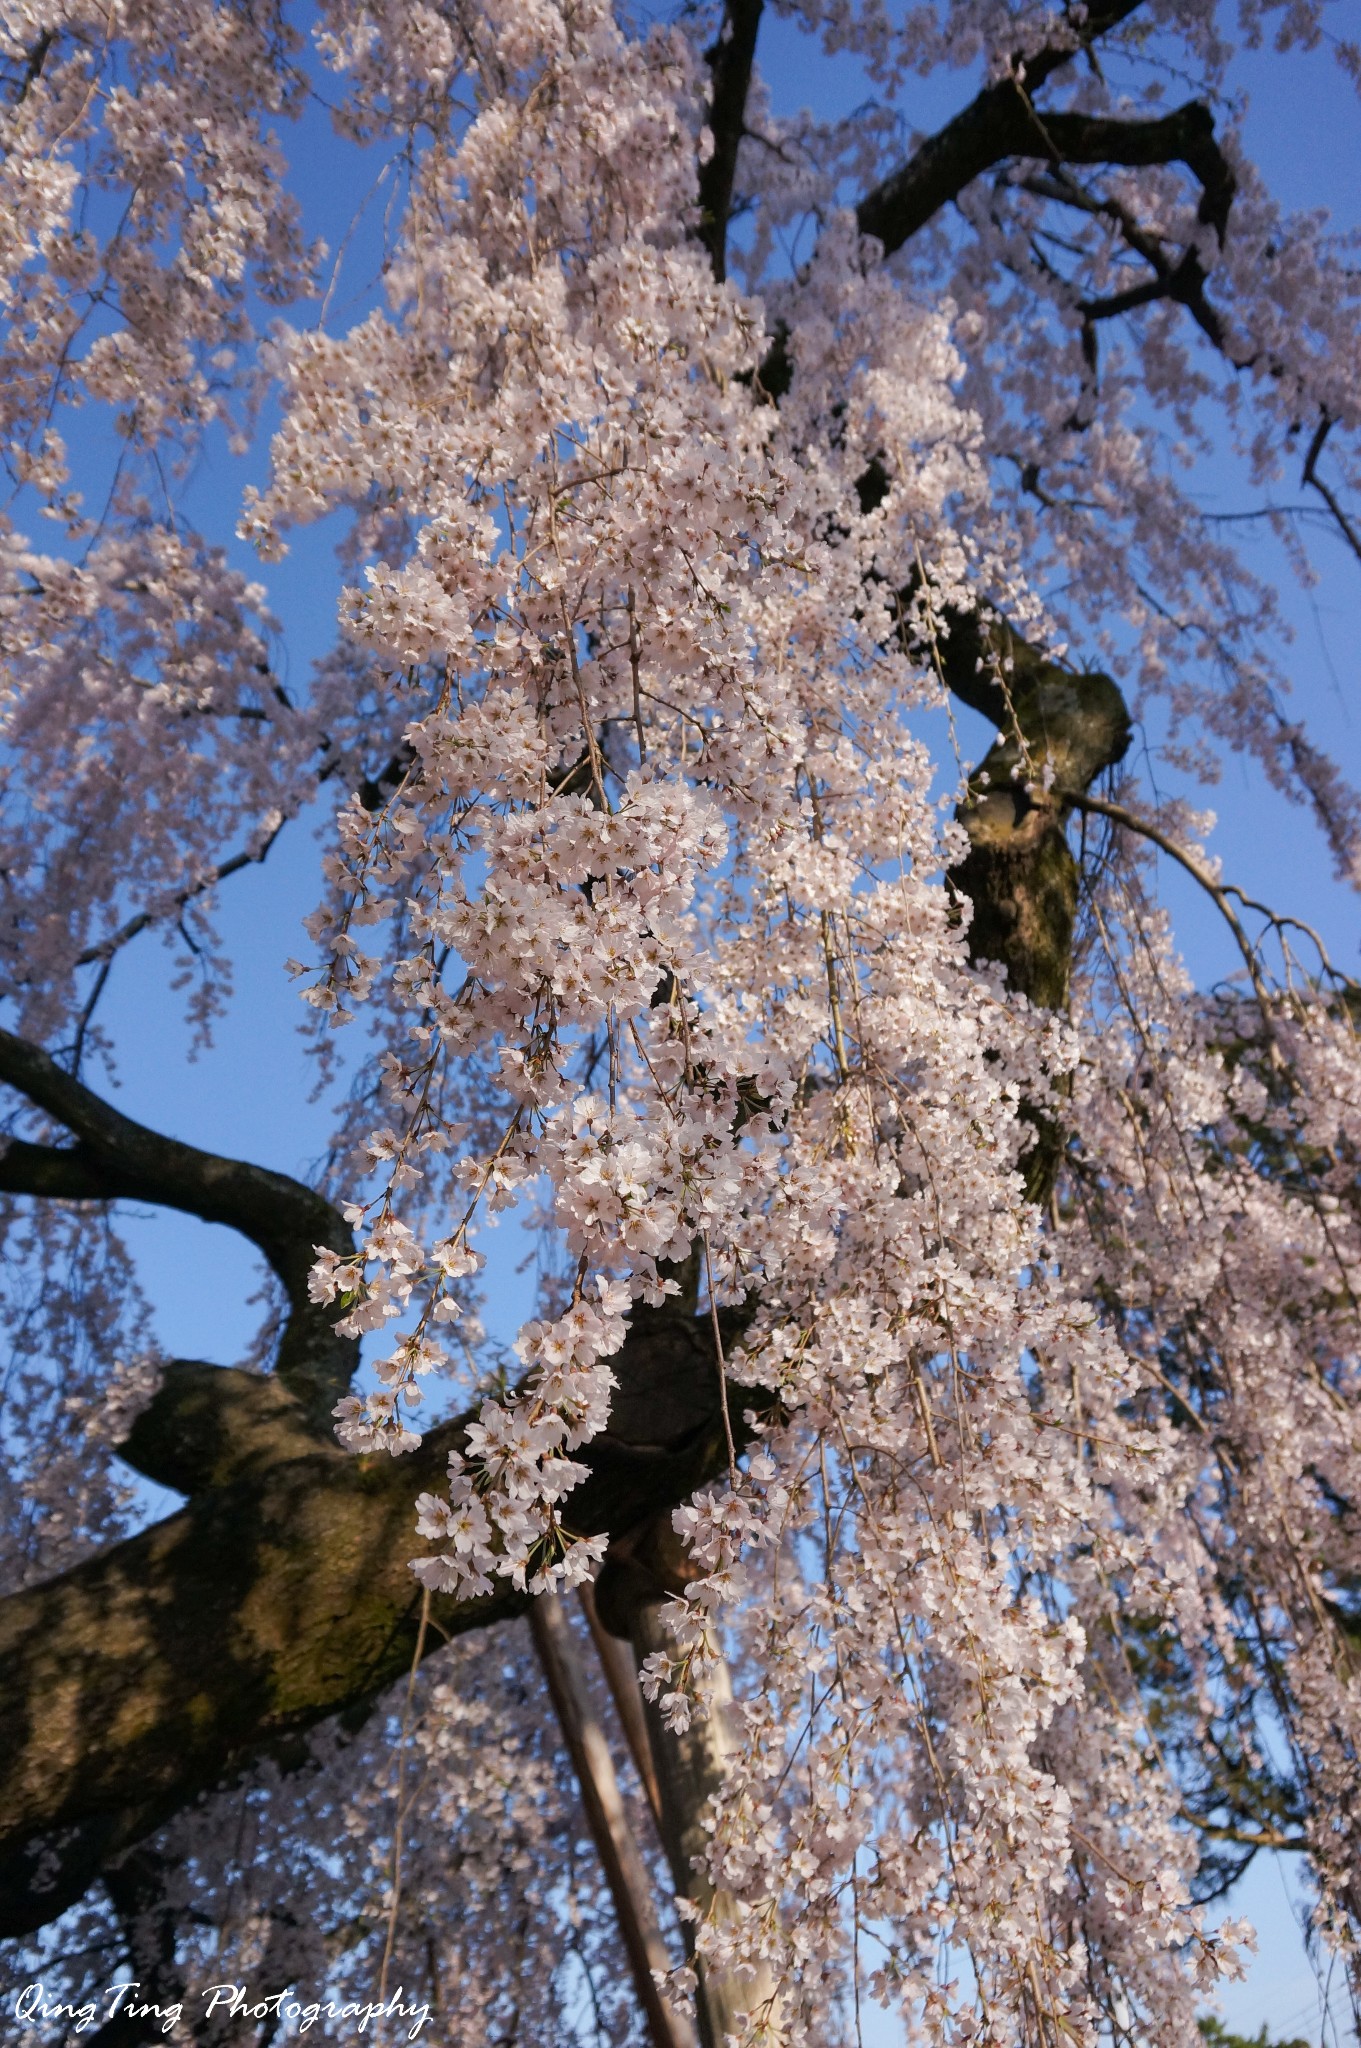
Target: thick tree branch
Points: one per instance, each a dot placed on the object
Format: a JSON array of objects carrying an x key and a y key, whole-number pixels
[
  {"x": 1058, "y": 729},
  {"x": 1003, "y": 122},
  {"x": 117, "y": 1159},
  {"x": 280, "y": 1595},
  {"x": 622, "y": 1679},
  {"x": 644, "y": 1569},
  {"x": 1185, "y": 136},
  {"x": 1019, "y": 873},
  {"x": 730, "y": 63},
  {"x": 997, "y": 123},
  {"x": 1054, "y": 726},
  {"x": 138, "y": 1895}
]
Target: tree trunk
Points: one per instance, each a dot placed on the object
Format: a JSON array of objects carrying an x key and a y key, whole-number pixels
[
  {"x": 640, "y": 1575},
  {"x": 279, "y": 1595},
  {"x": 630, "y": 1886}
]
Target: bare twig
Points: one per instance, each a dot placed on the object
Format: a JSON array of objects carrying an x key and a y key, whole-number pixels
[
  {"x": 106, "y": 948},
  {"x": 1199, "y": 872},
  {"x": 1311, "y": 477}
]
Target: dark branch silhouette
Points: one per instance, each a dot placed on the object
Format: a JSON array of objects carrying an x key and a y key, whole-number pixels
[
  {"x": 730, "y": 63},
  {"x": 117, "y": 1159}
]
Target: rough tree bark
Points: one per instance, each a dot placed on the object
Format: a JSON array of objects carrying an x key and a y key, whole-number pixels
[{"x": 278, "y": 1596}]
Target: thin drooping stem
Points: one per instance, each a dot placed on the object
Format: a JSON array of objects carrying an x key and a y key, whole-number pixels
[
  {"x": 399, "y": 1818},
  {"x": 1119, "y": 814}
]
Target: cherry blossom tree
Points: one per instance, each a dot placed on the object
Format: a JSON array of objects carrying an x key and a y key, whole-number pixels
[{"x": 914, "y": 1560}]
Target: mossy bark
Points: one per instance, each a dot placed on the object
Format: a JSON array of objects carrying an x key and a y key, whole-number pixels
[
  {"x": 278, "y": 1596},
  {"x": 1057, "y": 730}
]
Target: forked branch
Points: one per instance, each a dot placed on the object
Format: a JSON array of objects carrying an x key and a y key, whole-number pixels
[{"x": 115, "y": 1158}]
